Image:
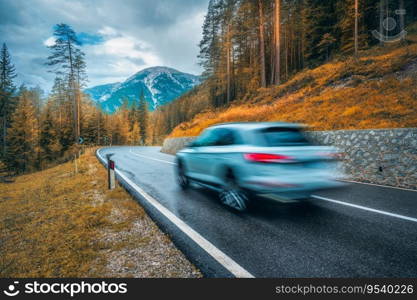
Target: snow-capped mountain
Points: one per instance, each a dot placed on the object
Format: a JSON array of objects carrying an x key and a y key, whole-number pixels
[
  {"x": 101, "y": 93},
  {"x": 160, "y": 86}
]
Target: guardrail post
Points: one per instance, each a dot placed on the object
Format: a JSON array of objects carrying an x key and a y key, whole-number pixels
[{"x": 110, "y": 172}]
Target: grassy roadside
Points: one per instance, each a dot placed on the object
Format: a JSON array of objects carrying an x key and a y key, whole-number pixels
[{"x": 56, "y": 223}]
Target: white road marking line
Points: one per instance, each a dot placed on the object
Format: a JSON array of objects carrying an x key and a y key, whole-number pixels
[
  {"x": 367, "y": 208},
  {"x": 148, "y": 157},
  {"x": 212, "y": 250},
  {"x": 344, "y": 180},
  {"x": 380, "y": 185},
  {"x": 335, "y": 201}
]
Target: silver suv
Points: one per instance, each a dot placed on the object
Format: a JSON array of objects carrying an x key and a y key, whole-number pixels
[{"x": 241, "y": 160}]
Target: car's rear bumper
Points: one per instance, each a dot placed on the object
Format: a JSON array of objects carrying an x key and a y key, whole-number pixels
[{"x": 291, "y": 190}]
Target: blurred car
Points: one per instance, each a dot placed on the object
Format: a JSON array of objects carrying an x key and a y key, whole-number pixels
[{"x": 241, "y": 160}]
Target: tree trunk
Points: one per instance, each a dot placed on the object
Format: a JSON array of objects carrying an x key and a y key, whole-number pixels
[
  {"x": 78, "y": 98},
  {"x": 74, "y": 95},
  {"x": 303, "y": 37},
  {"x": 356, "y": 26},
  {"x": 402, "y": 24},
  {"x": 98, "y": 128},
  {"x": 387, "y": 11},
  {"x": 4, "y": 136},
  {"x": 381, "y": 19},
  {"x": 286, "y": 50},
  {"x": 272, "y": 61},
  {"x": 291, "y": 47},
  {"x": 262, "y": 43},
  {"x": 228, "y": 67},
  {"x": 277, "y": 67}
]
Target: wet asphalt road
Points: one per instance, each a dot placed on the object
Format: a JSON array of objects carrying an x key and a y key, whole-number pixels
[{"x": 318, "y": 239}]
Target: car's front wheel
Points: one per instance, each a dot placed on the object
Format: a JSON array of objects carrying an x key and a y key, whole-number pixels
[
  {"x": 182, "y": 179},
  {"x": 234, "y": 196}
]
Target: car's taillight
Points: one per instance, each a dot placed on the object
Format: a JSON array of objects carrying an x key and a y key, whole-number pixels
[{"x": 268, "y": 158}]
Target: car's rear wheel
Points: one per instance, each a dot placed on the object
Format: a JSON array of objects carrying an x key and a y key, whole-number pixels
[
  {"x": 182, "y": 179},
  {"x": 234, "y": 196}
]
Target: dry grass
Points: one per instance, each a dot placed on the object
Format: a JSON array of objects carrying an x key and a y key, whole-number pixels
[
  {"x": 377, "y": 91},
  {"x": 55, "y": 223}
]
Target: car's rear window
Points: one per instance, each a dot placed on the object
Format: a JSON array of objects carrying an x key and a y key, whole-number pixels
[{"x": 278, "y": 136}]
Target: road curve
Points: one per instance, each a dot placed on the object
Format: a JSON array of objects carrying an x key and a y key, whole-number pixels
[{"x": 358, "y": 231}]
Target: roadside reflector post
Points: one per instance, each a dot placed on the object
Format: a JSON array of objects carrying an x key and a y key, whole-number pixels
[
  {"x": 110, "y": 172},
  {"x": 75, "y": 163}
]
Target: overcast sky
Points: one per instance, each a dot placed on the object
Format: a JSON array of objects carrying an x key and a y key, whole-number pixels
[{"x": 120, "y": 37}]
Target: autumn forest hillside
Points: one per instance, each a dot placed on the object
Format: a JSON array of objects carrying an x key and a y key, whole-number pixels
[
  {"x": 379, "y": 90},
  {"x": 329, "y": 64}
]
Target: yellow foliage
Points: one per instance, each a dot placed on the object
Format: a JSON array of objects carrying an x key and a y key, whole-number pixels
[
  {"x": 373, "y": 92},
  {"x": 51, "y": 221}
]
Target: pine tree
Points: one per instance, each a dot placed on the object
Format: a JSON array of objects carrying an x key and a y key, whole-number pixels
[
  {"x": 133, "y": 115},
  {"x": 262, "y": 43},
  {"x": 92, "y": 121},
  {"x": 352, "y": 39},
  {"x": 80, "y": 68},
  {"x": 326, "y": 45},
  {"x": 50, "y": 147},
  {"x": 246, "y": 47},
  {"x": 277, "y": 41},
  {"x": 23, "y": 137},
  {"x": 64, "y": 52},
  {"x": 134, "y": 134},
  {"x": 356, "y": 27},
  {"x": 7, "y": 88},
  {"x": 119, "y": 130},
  {"x": 209, "y": 44},
  {"x": 319, "y": 19},
  {"x": 62, "y": 105},
  {"x": 67, "y": 61},
  {"x": 143, "y": 118},
  {"x": 58, "y": 99}
]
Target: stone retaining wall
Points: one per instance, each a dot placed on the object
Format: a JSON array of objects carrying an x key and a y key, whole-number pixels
[{"x": 383, "y": 156}]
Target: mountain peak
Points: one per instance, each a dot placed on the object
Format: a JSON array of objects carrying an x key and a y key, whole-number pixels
[
  {"x": 160, "y": 69},
  {"x": 156, "y": 70},
  {"x": 152, "y": 71},
  {"x": 159, "y": 84}
]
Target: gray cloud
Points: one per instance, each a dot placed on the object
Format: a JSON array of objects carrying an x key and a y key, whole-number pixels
[{"x": 136, "y": 34}]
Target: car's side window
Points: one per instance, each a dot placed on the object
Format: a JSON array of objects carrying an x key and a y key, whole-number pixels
[
  {"x": 205, "y": 139},
  {"x": 213, "y": 138},
  {"x": 216, "y": 137},
  {"x": 225, "y": 137}
]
